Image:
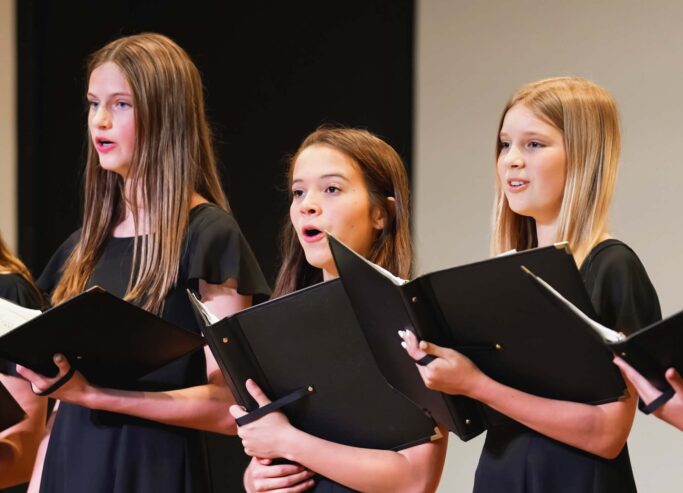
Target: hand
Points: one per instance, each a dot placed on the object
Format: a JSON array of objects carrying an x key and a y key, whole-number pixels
[
  {"x": 451, "y": 372},
  {"x": 267, "y": 437},
  {"x": 672, "y": 410},
  {"x": 262, "y": 475},
  {"x": 75, "y": 390}
]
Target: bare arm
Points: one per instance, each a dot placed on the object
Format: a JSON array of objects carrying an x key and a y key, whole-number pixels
[
  {"x": 19, "y": 443},
  {"x": 601, "y": 430},
  {"x": 672, "y": 410},
  {"x": 416, "y": 469},
  {"x": 37, "y": 473},
  {"x": 201, "y": 407}
]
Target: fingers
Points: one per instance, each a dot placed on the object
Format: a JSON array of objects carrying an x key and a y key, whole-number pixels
[
  {"x": 62, "y": 363},
  {"x": 292, "y": 483},
  {"x": 645, "y": 389},
  {"x": 674, "y": 380},
  {"x": 410, "y": 344},
  {"x": 256, "y": 392}
]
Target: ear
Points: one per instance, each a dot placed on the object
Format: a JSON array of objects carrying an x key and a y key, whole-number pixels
[{"x": 379, "y": 216}]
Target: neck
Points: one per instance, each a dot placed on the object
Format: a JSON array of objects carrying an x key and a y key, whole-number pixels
[
  {"x": 546, "y": 232},
  {"x": 328, "y": 275}
]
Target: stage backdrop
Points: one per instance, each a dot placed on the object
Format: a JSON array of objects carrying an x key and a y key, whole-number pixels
[
  {"x": 273, "y": 72},
  {"x": 470, "y": 58}
]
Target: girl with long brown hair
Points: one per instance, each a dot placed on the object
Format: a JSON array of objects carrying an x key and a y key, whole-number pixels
[
  {"x": 353, "y": 185},
  {"x": 19, "y": 443},
  {"x": 155, "y": 223},
  {"x": 557, "y": 153}
]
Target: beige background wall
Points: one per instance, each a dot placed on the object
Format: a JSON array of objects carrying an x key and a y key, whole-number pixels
[
  {"x": 7, "y": 124},
  {"x": 471, "y": 56}
]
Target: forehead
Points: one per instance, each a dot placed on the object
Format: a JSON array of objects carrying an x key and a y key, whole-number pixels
[
  {"x": 108, "y": 78},
  {"x": 521, "y": 118},
  {"x": 319, "y": 160}
]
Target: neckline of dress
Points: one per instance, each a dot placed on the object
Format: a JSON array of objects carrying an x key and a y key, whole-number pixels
[{"x": 193, "y": 211}]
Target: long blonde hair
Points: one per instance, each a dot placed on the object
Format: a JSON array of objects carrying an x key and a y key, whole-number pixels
[
  {"x": 385, "y": 176},
  {"x": 587, "y": 116},
  {"x": 173, "y": 158}
]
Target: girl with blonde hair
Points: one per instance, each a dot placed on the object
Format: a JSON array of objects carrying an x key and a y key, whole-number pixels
[
  {"x": 557, "y": 155},
  {"x": 156, "y": 222}
]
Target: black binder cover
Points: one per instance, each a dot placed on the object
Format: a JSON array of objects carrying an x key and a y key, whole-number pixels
[
  {"x": 112, "y": 342},
  {"x": 10, "y": 411},
  {"x": 312, "y": 338},
  {"x": 654, "y": 349},
  {"x": 495, "y": 314}
]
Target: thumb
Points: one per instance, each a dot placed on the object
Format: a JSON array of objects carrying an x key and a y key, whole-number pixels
[
  {"x": 256, "y": 392},
  {"x": 237, "y": 411},
  {"x": 61, "y": 363},
  {"x": 675, "y": 380},
  {"x": 434, "y": 350}
]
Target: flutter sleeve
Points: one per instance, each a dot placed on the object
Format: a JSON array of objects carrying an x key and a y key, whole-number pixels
[{"x": 217, "y": 251}]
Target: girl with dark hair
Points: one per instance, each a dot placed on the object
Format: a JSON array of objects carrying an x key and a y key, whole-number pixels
[{"x": 353, "y": 185}]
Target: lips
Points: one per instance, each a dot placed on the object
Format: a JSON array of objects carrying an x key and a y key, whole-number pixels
[
  {"x": 311, "y": 234},
  {"x": 104, "y": 145},
  {"x": 517, "y": 184}
]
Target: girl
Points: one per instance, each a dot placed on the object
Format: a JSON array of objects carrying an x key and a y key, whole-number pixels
[
  {"x": 558, "y": 149},
  {"x": 155, "y": 223},
  {"x": 19, "y": 443},
  {"x": 672, "y": 410},
  {"x": 353, "y": 185}
]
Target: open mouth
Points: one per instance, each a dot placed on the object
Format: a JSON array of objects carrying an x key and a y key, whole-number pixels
[
  {"x": 104, "y": 143},
  {"x": 312, "y": 234},
  {"x": 517, "y": 184}
]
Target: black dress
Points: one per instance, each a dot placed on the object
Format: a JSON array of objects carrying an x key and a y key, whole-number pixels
[
  {"x": 16, "y": 289},
  {"x": 102, "y": 452},
  {"x": 516, "y": 459}
]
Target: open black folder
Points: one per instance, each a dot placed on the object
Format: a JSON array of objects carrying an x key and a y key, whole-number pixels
[
  {"x": 307, "y": 348},
  {"x": 651, "y": 350},
  {"x": 495, "y": 314},
  {"x": 110, "y": 341},
  {"x": 11, "y": 412}
]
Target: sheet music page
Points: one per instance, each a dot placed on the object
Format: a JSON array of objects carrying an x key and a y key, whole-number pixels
[{"x": 12, "y": 316}]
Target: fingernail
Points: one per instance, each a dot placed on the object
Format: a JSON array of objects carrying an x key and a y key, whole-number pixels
[
  {"x": 404, "y": 345},
  {"x": 423, "y": 345},
  {"x": 401, "y": 333},
  {"x": 58, "y": 358}
]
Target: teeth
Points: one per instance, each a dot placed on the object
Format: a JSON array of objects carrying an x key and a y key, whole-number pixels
[{"x": 516, "y": 183}]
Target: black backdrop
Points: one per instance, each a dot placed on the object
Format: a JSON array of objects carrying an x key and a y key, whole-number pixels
[{"x": 272, "y": 71}]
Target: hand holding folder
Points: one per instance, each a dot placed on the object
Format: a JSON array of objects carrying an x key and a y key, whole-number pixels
[
  {"x": 495, "y": 315},
  {"x": 110, "y": 341}
]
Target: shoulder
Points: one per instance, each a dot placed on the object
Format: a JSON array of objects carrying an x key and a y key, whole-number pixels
[
  {"x": 15, "y": 288},
  {"x": 53, "y": 270},
  {"x": 620, "y": 287}
]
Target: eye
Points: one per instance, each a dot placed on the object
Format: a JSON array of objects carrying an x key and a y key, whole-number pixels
[
  {"x": 332, "y": 189},
  {"x": 93, "y": 104},
  {"x": 504, "y": 145},
  {"x": 123, "y": 105},
  {"x": 534, "y": 144},
  {"x": 297, "y": 193}
]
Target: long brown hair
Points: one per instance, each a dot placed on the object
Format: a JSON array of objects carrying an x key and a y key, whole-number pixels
[
  {"x": 588, "y": 118},
  {"x": 173, "y": 158},
  {"x": 10, "y": 264},
  {"x": 385, "y": 176}
]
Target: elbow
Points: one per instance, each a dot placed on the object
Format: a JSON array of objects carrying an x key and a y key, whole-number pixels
[{"x": 611, "y": 450}]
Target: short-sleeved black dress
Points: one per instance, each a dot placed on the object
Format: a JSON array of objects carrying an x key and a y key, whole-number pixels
[
  {"x": 102, "y": 452},
  {"x": 16, "y": 289},
  {"x": 516, "y": 459}
]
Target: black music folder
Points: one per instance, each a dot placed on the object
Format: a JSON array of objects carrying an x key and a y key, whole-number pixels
[
  {"x": 651, "y": 350},
  {"x": 110, "y": 341},
  {"x": 307, "y": 349},
  {"x": 11, "y": 412},
  {"x": 495, "y": 314}
]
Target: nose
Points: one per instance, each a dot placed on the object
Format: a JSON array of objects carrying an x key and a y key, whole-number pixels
[
  {"x": 513, "y": 158},
  {"x": 101, "y": 118},
  {"x": 309, "y": 205}
]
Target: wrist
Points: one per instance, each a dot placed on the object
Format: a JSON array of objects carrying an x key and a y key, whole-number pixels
[
  {"x": 290, "y": 443},
  {"x": 90, "y": 397},
  {"x": 481, "y": 388}
]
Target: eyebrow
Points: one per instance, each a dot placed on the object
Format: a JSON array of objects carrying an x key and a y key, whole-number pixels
[
  {"x": 330, "y": 175},
  {"x": 114, "y": 95},
  {"x": 526, "y": 134}
]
